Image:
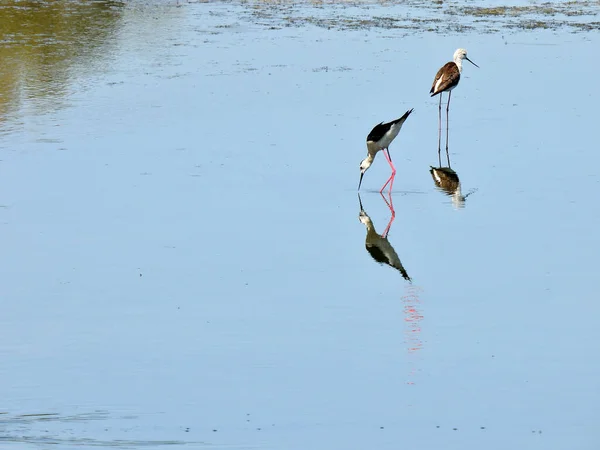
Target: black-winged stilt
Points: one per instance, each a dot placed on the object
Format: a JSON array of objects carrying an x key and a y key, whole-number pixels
[
  {"x": 445, "y": 80},
  {"x": 380, "y": 137}
]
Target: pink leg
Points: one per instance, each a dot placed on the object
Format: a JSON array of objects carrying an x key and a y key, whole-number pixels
[
  {"x": 387, "y": 229},
  {"x": 392, "y": 182},
  {"x": 389, "y": 160},
  {"x": 391, "y": 178},
  {"x": 386, "y": 183}
]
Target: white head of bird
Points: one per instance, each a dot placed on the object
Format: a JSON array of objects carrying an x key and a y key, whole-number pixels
[
  {"x": 364, "y": 166},
  {"x": 459, "y": 55}
]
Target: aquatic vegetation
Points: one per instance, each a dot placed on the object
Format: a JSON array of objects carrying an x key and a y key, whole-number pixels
[{"x": 424, "y": 16}]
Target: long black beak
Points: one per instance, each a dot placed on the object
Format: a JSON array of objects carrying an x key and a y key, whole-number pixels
[
  {"x": 360, "y": 181},
  {"x": 360, "y": 203},
  {"x": 471, "y": 62}
]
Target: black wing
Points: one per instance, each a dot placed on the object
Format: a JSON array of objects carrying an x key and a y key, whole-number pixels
[
  {"x": 380, "y": 129},
  {"x": 377, "y": 254},
  {"x": 380, "y": 257}
]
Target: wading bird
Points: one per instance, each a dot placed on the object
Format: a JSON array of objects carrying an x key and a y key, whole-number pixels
[
  {"x": 380, "y": 137},
  {"x": 445, "y": 80}
]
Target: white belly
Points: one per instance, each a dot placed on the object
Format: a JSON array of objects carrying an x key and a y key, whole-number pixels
[{"x": 387, "y": 139}]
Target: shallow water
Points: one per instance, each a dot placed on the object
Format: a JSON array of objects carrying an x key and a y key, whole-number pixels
[{"x": 183, "y": 262}]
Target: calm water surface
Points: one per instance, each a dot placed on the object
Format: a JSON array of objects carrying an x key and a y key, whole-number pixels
[{"x": 183, "y": 263}]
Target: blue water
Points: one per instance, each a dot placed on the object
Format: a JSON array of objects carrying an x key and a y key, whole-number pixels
[{"x": 183, "y": 263}]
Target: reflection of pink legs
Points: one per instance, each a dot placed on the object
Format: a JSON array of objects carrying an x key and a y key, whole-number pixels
[
  {"x": 390, "y": 205},
  {"x": 390, "y": 180}
]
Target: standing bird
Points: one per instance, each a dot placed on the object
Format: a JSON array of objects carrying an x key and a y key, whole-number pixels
[
  {"x": 445, "y": 80},
  {"x": 380, "y": 137}
]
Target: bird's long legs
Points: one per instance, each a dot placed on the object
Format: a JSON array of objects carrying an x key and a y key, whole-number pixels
[
  {"x": 393, "y": 169},
  {"x": 447, "y": 126},
  {"x": 390, "y": 180},
  {"x": 390, "y": 205},
  {"x": 440, "y": 130}
]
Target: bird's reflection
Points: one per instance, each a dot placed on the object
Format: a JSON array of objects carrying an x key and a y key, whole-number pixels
[
  {"x": 413, "y": 317},
  {"x": 382, "y": 251},
  {"x": 447, "y": 181},
  {"x": 378, "y": 245}
]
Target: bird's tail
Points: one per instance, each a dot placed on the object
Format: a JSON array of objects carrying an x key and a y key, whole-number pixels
[{"x": 404, "y": 117}]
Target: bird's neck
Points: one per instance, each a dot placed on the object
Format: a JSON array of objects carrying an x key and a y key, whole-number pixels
[
  {"x": 458, "y": 62},
  {"x": 372, "y": 149},
  {"x": 373, "y": 237},
  {"x": 370, "y": 228}
]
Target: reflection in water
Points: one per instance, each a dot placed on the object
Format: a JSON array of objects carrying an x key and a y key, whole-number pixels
[
  {"x": 43, "y": 43},
  {"x": 412, "y": 330},
  {"x": 71, "y": 431},
  {"x": 378, "y": 245},
  {"x": 447, "y": 181},
  {"x": 382, "y": 251}
]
